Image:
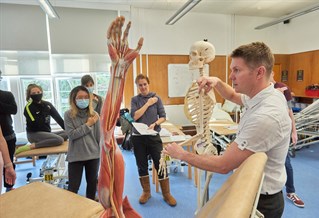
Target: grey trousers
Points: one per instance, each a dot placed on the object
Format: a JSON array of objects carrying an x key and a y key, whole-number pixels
[{"x": 47, "y": 139}]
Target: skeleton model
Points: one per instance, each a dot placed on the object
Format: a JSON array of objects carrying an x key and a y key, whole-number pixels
[
  {"x": 111, "y": 176},
  {"x": 198, "y": 108}
]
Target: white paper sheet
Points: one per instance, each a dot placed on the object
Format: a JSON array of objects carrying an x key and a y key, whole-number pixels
[
  {"x": 164, "y": 133},
  {"x": 143, "y": 129}
]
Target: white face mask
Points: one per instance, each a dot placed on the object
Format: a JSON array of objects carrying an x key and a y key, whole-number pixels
[
  {"x": 90, "y": 89},
  {"x": 82, "y": 103}
]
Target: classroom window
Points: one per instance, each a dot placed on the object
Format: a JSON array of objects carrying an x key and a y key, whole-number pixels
[
  {"x": 64, "y": 87},
  {"x": 45, "y": 83},
  {"x": 4, "y": 84},
  {"x": 102, "y": 83}
]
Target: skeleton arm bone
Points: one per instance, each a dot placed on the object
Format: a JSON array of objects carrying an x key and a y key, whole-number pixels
[
  {"x": 194, "y": 138},
  {"x": 211, "y": 94}
]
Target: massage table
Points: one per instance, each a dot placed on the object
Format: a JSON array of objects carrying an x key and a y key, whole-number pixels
[
  {"x": 40, "y": 199},
  {"x": 63, "y": 148},
  {"x": 239, "y": 195},
  {"x": 53, "y": 168}
]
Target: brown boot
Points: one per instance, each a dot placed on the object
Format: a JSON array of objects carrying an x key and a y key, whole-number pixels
[
  {"x": 166, "y": 193},
  {"x": 145, "y": 182}
]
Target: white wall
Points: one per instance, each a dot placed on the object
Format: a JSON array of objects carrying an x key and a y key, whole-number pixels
[
  {"x": 176, "y": 39},
  {"x": 302, "y": 33},
  {"x": 226, "y": 32}
]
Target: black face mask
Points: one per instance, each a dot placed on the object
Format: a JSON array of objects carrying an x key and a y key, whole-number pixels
[{"x": 36, "y": 97}]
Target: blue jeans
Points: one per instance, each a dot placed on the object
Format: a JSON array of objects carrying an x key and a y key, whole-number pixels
[{"x": 290, "y": 188}]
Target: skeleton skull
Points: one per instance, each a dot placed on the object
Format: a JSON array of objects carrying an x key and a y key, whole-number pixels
[{"x": 201, "y": 53}]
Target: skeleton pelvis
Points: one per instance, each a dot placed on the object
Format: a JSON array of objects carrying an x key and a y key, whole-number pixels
[{"x": 202, "y": 147}]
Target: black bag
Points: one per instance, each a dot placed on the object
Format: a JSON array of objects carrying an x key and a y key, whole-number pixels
[
  {"x": 126, "y": 127},
  {"x": 127, "y": 143}
]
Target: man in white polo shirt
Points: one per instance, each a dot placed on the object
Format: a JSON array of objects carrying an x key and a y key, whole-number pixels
[{"x": 264, "y": 125}]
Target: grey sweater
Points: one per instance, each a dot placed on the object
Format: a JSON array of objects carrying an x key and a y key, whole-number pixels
[{"x": 83, "y": 140}]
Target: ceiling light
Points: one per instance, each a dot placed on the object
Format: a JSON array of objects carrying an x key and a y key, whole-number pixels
[
  {"x": 288, "y": 17},
  {"x": 48, "y": 8},
  {"x": 182, "y": 11}
]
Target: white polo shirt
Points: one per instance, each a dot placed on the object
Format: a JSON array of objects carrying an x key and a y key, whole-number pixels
[{"x": 265, "y": 126}]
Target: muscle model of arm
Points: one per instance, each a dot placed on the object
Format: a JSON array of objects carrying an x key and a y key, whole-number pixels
[{"x": 111, "y": 176}]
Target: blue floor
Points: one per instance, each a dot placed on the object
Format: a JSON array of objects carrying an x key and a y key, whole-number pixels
[{"x": 306, "y": 173}]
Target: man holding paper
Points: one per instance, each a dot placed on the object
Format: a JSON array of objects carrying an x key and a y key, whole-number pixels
[{"x": 147, "y": 108}]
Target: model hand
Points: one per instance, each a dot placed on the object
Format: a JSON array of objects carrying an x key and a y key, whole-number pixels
[
  {"x": 10, "y": 175},
  {"x": 119, "y": 50},
  {"x": 152, "y": 101},
  {"x": 207, "y": 83},
  {"x": 174, "y": 151},
  {"x": 92, "y": 120}
]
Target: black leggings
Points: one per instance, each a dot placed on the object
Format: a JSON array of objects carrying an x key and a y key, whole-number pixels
[
  {"x": 91, "y": 174},
  {"x": 11, "y": 147},
  {"x": 147, "y": 145}
]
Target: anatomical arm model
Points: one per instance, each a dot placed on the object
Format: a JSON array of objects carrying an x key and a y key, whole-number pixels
[{"x": 111, "y": 176}]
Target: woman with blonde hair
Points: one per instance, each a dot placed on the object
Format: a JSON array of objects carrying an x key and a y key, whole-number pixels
[
  {"x": 83, "y": 129},
  {"x": 38, "y": 113}
]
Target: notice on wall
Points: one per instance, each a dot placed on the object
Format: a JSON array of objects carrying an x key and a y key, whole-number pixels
[{"x": 180, "y": 79}]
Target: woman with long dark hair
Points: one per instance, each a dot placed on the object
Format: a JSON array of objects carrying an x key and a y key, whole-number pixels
[{"x": 83, "y": 128}]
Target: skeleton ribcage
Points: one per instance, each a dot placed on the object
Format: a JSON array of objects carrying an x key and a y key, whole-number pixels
[{"x": 198, "y": 108}]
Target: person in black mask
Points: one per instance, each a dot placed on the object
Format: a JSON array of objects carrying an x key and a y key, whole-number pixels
[{"x": 38, "y": 115}]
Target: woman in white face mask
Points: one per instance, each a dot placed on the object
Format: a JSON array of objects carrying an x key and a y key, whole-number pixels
[
  {"x": 97, "y": 101},
  {"x": 83, "y": 129}
]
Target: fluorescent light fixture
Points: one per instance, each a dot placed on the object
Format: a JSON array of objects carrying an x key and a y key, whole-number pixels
[
  {"x": 182, "y": 11},
  {"x": 290, "y": 16},
  {"x": 48, "y": 8}
]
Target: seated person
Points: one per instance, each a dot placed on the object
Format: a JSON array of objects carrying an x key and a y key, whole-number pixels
[{"x": 38, "y": 115}]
